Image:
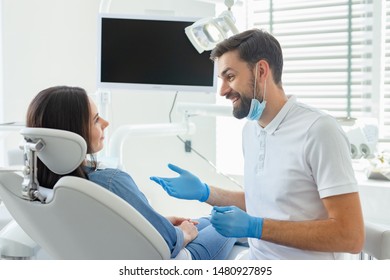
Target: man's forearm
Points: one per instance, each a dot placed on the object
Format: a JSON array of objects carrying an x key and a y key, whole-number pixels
[
  {"x": 320, "y": 235},
  {"x": 342, "y": 231},
  {"x": 222, "y": 197}
]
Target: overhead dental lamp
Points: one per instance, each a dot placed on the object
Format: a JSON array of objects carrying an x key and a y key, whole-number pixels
[{"x": 206, "y": 33}]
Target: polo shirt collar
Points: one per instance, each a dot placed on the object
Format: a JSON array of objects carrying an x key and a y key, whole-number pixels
[{"x": 275, "y": 123}]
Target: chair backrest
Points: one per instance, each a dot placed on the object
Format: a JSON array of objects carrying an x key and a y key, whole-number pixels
[
  {"x": 64, "y": 151},
  {"x": 82, "y": 220}
]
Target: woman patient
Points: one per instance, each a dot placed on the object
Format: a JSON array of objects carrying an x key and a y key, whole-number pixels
[{"x": 70, "y": 108}]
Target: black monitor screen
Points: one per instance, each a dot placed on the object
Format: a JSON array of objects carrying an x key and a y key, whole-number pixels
[{"x": 152, "y": 53}]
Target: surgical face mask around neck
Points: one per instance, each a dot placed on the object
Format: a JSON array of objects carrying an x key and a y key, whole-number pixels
[{"x": 257, "y": 108}]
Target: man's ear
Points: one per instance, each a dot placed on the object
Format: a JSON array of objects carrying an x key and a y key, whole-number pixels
[{"x": 263, "y": 69}]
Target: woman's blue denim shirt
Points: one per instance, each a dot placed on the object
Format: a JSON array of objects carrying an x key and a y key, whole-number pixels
[{"x": 123, "y": 185}]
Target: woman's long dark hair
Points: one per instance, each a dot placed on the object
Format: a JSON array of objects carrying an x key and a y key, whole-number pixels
[{"x": 65, "y": 108}]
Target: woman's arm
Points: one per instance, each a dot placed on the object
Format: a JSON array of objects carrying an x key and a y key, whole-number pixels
[
  {"x": 189, "y": 230},
  {"x": 123, "y": 185},
  {"x": 176, "y": 221}
]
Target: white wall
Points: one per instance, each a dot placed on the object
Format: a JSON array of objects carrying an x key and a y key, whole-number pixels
[{"x": 53, "y": 42}]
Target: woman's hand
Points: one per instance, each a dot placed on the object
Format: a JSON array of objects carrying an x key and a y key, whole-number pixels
[
  {"x": 176, "y": 221},
  {"x": 189, "y": 230}
]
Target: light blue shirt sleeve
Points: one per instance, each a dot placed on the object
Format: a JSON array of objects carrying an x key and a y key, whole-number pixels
[{"x": 124, "y": 186}]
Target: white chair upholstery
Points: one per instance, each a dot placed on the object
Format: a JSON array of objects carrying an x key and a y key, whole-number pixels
[
  {"x": 377, "y": 242},
  {"x": 64, "y": 151},
  {"x": 84, "y": 221},
  {"x": 80, "y": 219}
]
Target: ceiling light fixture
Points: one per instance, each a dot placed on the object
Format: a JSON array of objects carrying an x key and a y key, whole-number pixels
[{"x": 206, "y": 33}]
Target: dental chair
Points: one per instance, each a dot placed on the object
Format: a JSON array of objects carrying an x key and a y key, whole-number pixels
[{"x": 78, "y": 219}]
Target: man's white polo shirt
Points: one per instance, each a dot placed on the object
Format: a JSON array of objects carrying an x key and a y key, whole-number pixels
[{"x": 303, "y": 155}]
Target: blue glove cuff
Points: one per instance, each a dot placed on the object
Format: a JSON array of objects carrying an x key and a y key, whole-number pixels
[
  {"x": 206, "y": 193},
  {"x": 256, "y": 227}
]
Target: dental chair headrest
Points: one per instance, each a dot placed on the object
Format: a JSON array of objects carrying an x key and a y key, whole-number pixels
[{"x": 63, "y": 152}]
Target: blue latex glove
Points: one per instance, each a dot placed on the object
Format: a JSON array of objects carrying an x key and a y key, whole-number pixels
[
  {"x": 186, "y": 186},
  {"x": 231, "y": 221}
]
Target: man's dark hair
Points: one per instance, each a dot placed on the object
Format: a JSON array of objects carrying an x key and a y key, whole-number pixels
[{"x": 254, "y": 45}]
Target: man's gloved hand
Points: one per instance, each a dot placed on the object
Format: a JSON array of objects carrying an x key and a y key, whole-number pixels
[
  {"x": 186, "y": 186},
  {"x": 231, "y": 221}
]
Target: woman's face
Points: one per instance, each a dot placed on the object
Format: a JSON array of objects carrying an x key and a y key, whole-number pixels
[{"x": 97, "y": 126}]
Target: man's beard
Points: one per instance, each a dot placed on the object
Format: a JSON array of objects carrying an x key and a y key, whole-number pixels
[{"x": 242, "y": 110}]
